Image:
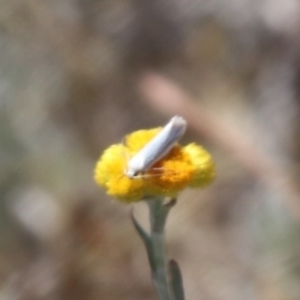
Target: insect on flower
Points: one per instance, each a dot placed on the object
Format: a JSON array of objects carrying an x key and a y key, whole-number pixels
[
  {"x": 157, "y": 148},
  {"x": 156, "y": 155}
]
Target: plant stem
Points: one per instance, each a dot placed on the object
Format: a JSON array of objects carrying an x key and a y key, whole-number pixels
[
  {"x": 158, "y": 216},
  {"x": 166, "y": 276}
]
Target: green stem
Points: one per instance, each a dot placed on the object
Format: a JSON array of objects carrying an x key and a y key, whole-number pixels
[
  {"x": 166, "y": 276},
  {"x": 158, "y": 217}
]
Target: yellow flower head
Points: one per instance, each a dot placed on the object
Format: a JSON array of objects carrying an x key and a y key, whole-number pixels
[{"x": 189, "y": 166}]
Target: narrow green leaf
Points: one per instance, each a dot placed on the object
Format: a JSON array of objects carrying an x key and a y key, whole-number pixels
[
  {"x": 176, "y": 280},
  {"x": 146, "y": 240}
]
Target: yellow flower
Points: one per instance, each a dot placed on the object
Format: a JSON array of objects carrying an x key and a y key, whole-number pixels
[{"x": 189, "y": 166}]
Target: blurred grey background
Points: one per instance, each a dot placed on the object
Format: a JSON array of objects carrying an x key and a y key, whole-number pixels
[{"x": 70, "y": 85}]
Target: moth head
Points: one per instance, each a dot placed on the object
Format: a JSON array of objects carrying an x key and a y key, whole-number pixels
[{"x": 132, "y": 173}]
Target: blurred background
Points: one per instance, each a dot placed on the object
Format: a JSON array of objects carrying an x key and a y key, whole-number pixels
[{"x": 76, "y": 76}]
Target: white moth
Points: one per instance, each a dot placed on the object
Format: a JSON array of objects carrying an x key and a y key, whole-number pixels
[{"x": 157, "y": 148}]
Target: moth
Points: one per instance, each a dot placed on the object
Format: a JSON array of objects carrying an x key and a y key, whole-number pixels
[{"x": 157, "y": 148}]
